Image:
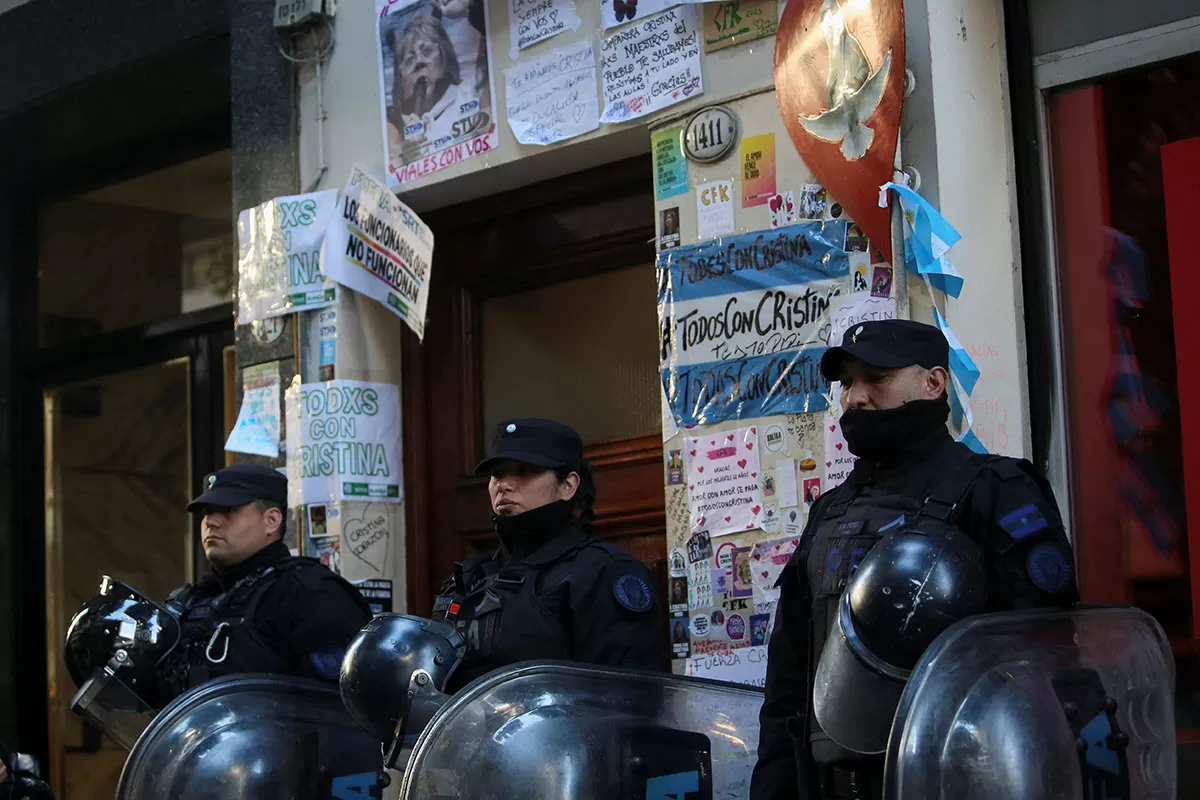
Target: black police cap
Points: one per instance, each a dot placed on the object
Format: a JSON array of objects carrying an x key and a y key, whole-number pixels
[
  {"x": 540, "y": 442},
  {"x": 888, "y": 344},
  {"x": 241, "y": 485}
]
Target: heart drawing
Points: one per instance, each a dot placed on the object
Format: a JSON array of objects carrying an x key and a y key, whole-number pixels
[{"x": 368, "y": 537}]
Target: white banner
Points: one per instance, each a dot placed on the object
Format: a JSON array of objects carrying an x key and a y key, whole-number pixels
[
  {"x": 377, "y": 246},
  {"x": 344, "y": 442},
  {"x": 278, "y": 251}
]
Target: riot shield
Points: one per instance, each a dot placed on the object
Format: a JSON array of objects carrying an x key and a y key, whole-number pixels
[
  {"x": 559, "y": 731},
  {"x": 253, "y": 737},
  {"x": 1039, "y": 704}
]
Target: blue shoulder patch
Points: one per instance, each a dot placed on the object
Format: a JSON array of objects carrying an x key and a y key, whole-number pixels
[
  {"x": 633, "y": 593},
  {"x": 1023, "y": 521},
  {"x": 1049, "y": 568},
  {"x": 327, "y": 662}
]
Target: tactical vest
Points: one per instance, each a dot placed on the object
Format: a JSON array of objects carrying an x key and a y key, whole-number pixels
[
  {"x": 218, "y": 633},
  {"x": 846, "y": 532},
  {"x": 504, "y": 612}
]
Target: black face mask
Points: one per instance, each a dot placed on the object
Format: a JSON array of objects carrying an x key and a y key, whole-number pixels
[
  {"x": 523, "y": 533},
  {"x": 883, "y": 435}
]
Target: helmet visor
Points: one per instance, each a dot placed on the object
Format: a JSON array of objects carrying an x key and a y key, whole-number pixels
[{"x": 113, "y": 707}]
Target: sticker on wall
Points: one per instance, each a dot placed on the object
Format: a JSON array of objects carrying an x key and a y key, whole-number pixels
[
  {"x": 668, "y": 236},
  {"x": 680, "y": 640},
  {"x": 773, "y": 438},
  {"x": 881, "y": 281},
  {"x": 814, "y": 201},
  {"x": 768, "y": 520},
  {"x": 734, "y": 22},
  {"x": 699, "y": 584},
  {"x": 760, "y": 629},
  {"x": 699, "y": 547},
  {"x": 785, "y": 471},
  {"x": 714, "y": 209},
  {"x": 768, "y": 486},
  {"x": 812, "y": 490},
  {"x": 679, "y": 595},
  {"x": 724, "y": 557},
  {"x": 793, "y": 522},
  {"x": 719, "y": 578},
  {"x": 677, "y": 564},
  {"x": 758, "y": 169},
  {"x": 736, "y": 628},
  {"x": 674, "y": 467},
  {"x": 439, "y": 112},
  {"x": 860, "y": 268},
  {"x": 783, "y": 209},
  {"x": 651, "y": 65},
  {"x": 856, "y": 240},
  {"x": 742, "y": 573},
  {"x": 723, "y": 486},
  {"x": 700, "y": 625},
  {"x": 670, "y": 167},
  {"x": 327, "y": 332}
]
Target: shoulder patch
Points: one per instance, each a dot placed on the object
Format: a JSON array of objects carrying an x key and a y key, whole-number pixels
[
  {"x": 1049, "y": 568},
  {"x": 327, "y": 662},
  {"x": 633, "y": 592},
  {"x": 1023, "y": 521}
]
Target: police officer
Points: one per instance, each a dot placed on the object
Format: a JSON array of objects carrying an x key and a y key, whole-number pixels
[
  {"x": 259, "y": 609},
  {"x": 895, "y": 380},
  {"x": 17, "y": 783},
  {"x": 552, "y": 590}
]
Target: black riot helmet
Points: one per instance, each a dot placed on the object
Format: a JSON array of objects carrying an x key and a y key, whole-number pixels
[
  {"x": 115, "y": 643},
  {"x": 394, "y": 676},
  {"x": 917, "y": 581}
]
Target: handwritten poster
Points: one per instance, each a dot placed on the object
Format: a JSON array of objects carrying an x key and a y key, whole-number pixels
[
  {"x": 257, "y": 428},
  {"x": 343, "y": 443},
  {"x": 758, "y": 169},
  {"x": 533, "y": 21},
  {"x": 367, "y": 536},
  {"x": 670, "y": 167},
  {"x": 733, "y": 22},
  {"x": 714, "y": 209},
  {"x": 554, "y": 97},
  {"x": 747, "y": 665},
  {"x": 745, "y": 321},
  {"x": 723, "y": 492},
  {"x": 437, "y": 111},
  {"x": 377, "y": 246},
  {"x": 651, "y": 65},
  {"x": 279, "y": 243},
  {"x": 858, "y": 308}
]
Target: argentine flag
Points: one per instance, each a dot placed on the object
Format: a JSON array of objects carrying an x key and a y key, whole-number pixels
[{"x": 927, "y": 237}]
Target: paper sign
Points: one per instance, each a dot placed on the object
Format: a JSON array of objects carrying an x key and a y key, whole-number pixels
[
  {"x": 758, "y": 169},
  {"x": 378, "y": 594},
  {"x": 700, "y": 589},
  {"x": 793, "y": 523},
  {"x": 553, "y": 97},
  {"x": 785, "y": 469},
  {"x": 699, "y": 547},
  {"x": 344, "y": 442},
  {"x": 279, "y": 245},
  {"x": 723, "y": 491},
  {"x": 328, "y": 550},
  {"x": 668, "y": 229},
  {"x": 680, "y": 637},
  {"x": 814, "y": 202},
  {"x": 651, "y": 65},
  {"x": 532, "y": 21},
  {"x": 377, "y": 246},
  {"x": 856, "y": 309},
  {"x": 670, "y": 167},
  {"x": 767, "y": 560},
  {"x": 257, "y": 428},
  {"x": 714, "y": 209},
  {"x": 735, "y": 22},
  {"x": 783, "y": 209},
  {"x": 742, "y": 573},
  {"x": 838, "y": 459},
  {"x": 435, "y": 82},
  {"x": 747, "y": 665}
]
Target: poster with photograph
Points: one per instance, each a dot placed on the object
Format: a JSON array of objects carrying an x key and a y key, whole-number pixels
[{"x": 436, "y": 83}]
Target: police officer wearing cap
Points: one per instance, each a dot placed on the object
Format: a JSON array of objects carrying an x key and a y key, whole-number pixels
[
  {"x": 552, "y": 590},
  {"x": 259, "y": 609},
  {"x": 895, "y": 406}
]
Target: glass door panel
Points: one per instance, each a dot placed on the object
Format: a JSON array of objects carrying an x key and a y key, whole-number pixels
[{"x": 117, "y": 481}]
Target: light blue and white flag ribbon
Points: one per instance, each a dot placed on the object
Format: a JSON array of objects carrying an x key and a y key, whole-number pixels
[
  {"x": 927, "y": 237},
  {"x": 961, "y": 363}
]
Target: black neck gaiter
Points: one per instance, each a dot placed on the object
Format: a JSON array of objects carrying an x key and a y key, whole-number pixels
[
  {"x": 886, "y": 435},
  {"x": 522, "y": 534}
]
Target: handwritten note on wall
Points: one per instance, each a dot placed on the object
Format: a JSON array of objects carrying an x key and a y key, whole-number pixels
[
  {"x": 651, "y": 65},
  {"x": 725, "y": 496},
  {"x": 554, "y": 97},
  {"x": 533, "y": 21}
]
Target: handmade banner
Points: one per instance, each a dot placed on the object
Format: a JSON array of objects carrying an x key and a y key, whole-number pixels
[
  {"x": 343, "y": 442},
  {"x": 651, "y": 65},
  {"x": 553, "y": 98},
  {"x": 278, "y": 256},
  {"x": 745, "y": 320},
  {"x": 376, "y": 245},
  {"x": 436, "y": 84}
]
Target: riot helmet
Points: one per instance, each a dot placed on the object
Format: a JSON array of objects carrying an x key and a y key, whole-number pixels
[
  {"x": 916, "y": 582},
  {"x": 115, "y": 643},
  {"x": 394, "y": 676}
]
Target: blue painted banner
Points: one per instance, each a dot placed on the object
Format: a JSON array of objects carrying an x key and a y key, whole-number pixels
[{"x": 745, "y": 320}]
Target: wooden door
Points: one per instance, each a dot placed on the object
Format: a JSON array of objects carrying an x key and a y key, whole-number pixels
[{"x": 571, "y": 228}]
